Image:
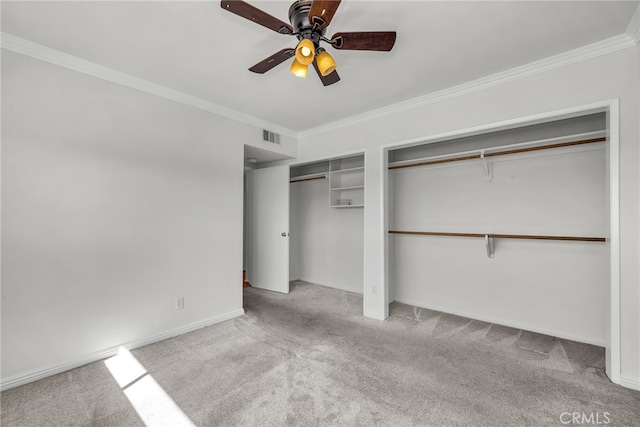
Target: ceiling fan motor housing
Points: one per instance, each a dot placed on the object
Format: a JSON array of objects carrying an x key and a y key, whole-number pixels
[{"x": 302, "y": 26}]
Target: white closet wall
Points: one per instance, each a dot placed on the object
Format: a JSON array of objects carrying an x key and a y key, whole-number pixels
[{"x": 326, "y": 243}]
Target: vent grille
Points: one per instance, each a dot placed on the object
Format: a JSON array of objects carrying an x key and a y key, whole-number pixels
[{"x": 269, "y": 136}]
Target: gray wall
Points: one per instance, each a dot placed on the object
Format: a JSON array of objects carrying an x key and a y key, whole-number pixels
[{"x": 114, "y": 204}]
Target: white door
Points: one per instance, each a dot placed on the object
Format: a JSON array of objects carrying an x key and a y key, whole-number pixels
[{"x": 269, "y": 234}]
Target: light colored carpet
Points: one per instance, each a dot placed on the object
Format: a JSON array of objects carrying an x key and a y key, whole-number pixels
[{"x": 310, "y": 358}]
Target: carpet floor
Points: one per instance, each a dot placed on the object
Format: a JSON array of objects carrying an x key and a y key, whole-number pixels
[{"x": 311, "y": 359}]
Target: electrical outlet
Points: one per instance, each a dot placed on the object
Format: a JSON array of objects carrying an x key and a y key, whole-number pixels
[
  {"x": 180, "y": 303},
  {"x": 374, "y": 290}
]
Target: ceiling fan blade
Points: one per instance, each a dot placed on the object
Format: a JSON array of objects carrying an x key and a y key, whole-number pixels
[
  {"x": 256, "y": 15},
  {"x": 367, "y": 40},
  {"x": 323, "y": 11},
  {"x": 329, "y": 79},
  {"x": 270, "y": 62}
]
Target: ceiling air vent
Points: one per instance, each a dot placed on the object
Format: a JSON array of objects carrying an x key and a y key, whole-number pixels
[{"x": 269, "y": 136}]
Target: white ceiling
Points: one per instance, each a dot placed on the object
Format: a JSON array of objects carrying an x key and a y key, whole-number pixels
[{"x": 201, "y": 50}]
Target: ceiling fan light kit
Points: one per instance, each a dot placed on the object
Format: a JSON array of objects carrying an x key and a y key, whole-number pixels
[{"x": 309, "y": 19}]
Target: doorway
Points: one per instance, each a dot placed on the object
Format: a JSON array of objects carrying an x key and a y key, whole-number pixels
[{"x": 266, "y": 221}]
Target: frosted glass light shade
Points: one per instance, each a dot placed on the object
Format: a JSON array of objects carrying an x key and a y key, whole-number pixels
[
  {"x": 325, "y": 63},
  {"x": 305, "y": 52},
  {"x": 299, "y": 69}
]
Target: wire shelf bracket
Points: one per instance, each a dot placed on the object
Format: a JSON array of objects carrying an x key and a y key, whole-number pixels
[{"x": 488, "y": 169}]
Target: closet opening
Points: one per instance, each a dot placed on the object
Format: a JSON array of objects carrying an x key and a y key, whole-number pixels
[
  {"x": 515, "y": 225},
  {"x": 327, "y": 222}
]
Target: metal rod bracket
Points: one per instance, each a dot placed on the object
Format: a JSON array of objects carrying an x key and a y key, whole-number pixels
[
  {"x": 488, "y": 169},
  {"x": 488, "y": 241}
]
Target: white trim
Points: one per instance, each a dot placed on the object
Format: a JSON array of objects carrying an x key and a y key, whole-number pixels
[
  {"x": 614, "y": 351},
  {"x": 384, "y": 212},
  {"x": 21, "y": 379},
  {"x": 343, "y": 154},
  {"x": 374, "y": 315},
  {"x": 633, "y": 30},
  {"x": 630, "y": 383},
  {"x": 565, "y": 113},
  {"x": 53, "y": 56},
  {"x": 611, "y": 107},
  {"x": 583, "y": 53},
  {"x": 501, "y": 322}
]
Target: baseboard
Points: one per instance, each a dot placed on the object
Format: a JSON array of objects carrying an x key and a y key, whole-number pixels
[
  {"x": 332, "y": 286},
  {"x": 374, "y": 315},
  {"x": 503, "y": 323},
  {"x": 36, "y": 375},
  {"x": 631, "y": 383}
]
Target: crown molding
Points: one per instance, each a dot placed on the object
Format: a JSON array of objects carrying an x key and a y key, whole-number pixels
[
  {"x": 633, "y": 30},
  {"x": 28, "y": 48},
  {"x": 53, "y": 56},
  {"x": 583, "y": 53}
]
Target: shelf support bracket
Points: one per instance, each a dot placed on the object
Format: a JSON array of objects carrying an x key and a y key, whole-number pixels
[
  {"x": 488, "y": 242},
  {"x": 488, "y": 170}
]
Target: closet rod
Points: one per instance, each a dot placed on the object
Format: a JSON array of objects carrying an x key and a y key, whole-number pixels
[
  {"x": 500, "y": 153},
  {"x": 308, "y": 179},
  {"x": 501, "y": 236}
]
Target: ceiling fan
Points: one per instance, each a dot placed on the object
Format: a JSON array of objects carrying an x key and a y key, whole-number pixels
[{"x": 309, "y": 20}]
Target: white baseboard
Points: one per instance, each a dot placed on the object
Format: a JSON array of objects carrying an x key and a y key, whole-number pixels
[
  {"x": 631, "y": 383},
  {"x": 374, "y": 315},
  {"x": 329, "y": 285},
  {"x": 39, "y": 374},
  {"x": 504, "y": 323}
]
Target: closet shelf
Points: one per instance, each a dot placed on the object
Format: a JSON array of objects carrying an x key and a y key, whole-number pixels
[
  {"x": 358, "y": 169},
  {"x": 501, "y": 236},
  {"x": 355, "y": 187},
  {"x": 485, "y": 153},
  {"x": 346, "y": 182},
  {"x": 309, "y": 177}
]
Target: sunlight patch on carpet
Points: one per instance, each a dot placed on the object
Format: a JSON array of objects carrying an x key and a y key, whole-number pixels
[{"x": 153, "y": 405}]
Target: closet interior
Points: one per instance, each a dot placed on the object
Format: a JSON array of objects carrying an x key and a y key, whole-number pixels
[
  {"x": 507, "y": 227},
  {"x": 327, "y": 222}
]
